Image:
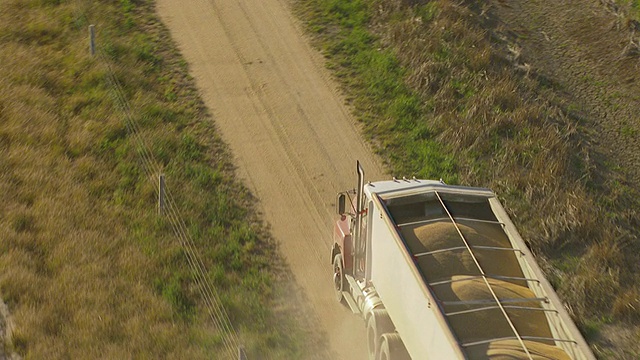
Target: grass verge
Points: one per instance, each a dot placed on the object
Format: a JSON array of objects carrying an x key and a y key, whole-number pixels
[
  {"x": 440, "y": 95},
  {"x": 88, "y": 269}
]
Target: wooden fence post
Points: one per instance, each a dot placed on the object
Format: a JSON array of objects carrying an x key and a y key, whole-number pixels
[
  {"x": 241, "y": 354},
  {"x": 92, "y": 39},
  {"x": 161, "y": 196}
]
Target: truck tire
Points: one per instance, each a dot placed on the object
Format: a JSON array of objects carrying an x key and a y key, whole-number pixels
[
  {"x": 378, "y": 323},
  {"x": 392, "y": 348},
  {"x": 338, "y": 277}
]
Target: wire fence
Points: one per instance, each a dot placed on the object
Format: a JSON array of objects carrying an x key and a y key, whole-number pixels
[{"x": 230, "y": 339}]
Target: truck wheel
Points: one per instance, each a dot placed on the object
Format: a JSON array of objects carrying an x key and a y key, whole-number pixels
[
  {"x": 392, "y": 348},
  {"x": 379, "y": 323},
  {"x": 338, "y": 277}
]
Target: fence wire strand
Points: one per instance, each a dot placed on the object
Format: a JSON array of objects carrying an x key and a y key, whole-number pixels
[{"x": 152, "y": 169}]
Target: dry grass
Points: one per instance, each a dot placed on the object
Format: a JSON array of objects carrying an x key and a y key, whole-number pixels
[
  {"x": 87, "y": 268},
  {"x": 484, "y": 118}
]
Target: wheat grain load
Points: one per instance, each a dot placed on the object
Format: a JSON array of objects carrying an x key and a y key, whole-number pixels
[
  {"x": 451, "y": 275},
  {"x": 442, "y": 235},
  {"x": 512, "y": 350},
  {"x": 490, "y": 323}
]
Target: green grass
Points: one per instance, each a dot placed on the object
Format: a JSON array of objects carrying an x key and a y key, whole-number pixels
[
  {"x": 390, "y": 111},
  {"x": 438, "y": 98},
  {"x": 89, "y": 270},
  {"x": 635, "y": 9},
  {"x": 629, "y": 8}
]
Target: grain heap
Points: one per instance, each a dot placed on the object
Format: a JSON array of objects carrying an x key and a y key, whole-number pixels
[{"x": 453, "y": 275}]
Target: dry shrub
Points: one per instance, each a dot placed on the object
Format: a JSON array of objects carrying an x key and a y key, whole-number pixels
[
  {"x": 627, "y": 305},
  {"x": 19, "y": 276},
  {"x": 595, "y": 283},
  {"x": 508, "y": 134},
  {"x": 511, "y": 131}
]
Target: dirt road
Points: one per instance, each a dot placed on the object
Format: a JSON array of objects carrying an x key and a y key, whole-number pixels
[{"x": 292, "y": 138}]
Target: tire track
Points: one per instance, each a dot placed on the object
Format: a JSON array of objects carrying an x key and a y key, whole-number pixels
[{"x": 291, "y": 136}]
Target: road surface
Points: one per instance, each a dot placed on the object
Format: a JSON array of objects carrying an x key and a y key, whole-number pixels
[{"x": 292, "y": 138}]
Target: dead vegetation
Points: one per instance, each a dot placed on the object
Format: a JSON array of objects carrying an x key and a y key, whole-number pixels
[
  {"x": 627, "y": 16},
  {"x": 509, "y": 134},
  {"x": 87, "y": 268},
  {"x": 506, "y": 126}
]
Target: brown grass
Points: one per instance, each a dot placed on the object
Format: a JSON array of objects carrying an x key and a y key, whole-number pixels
[
  {"x": 87, "y": 268},
  {"x": 511, "y": 135},
  {"x": 508, "y": 129}
]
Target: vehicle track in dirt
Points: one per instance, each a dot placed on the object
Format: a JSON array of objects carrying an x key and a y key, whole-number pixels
[{"x": 293, "y": 140}]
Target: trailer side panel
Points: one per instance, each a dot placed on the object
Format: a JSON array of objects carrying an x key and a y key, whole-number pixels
[{"x": 417, "y": 319}]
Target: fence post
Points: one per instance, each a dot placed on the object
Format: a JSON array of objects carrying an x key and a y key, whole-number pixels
[
  {"x": 241, "y": 354},
  {"x": 161, "y": 196},
  {"x": 92, "y": 39}
]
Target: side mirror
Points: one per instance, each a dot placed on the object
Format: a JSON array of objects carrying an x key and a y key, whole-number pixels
[{"x": 341, "y": 204}]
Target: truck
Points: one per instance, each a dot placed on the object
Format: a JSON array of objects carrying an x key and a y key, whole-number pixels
[{"x": 439, "y": 271}]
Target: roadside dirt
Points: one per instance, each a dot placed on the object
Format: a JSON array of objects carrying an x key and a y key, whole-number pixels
[
  {"x": 293, "y": 140},
  {"x": 588, "y": 52}
]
